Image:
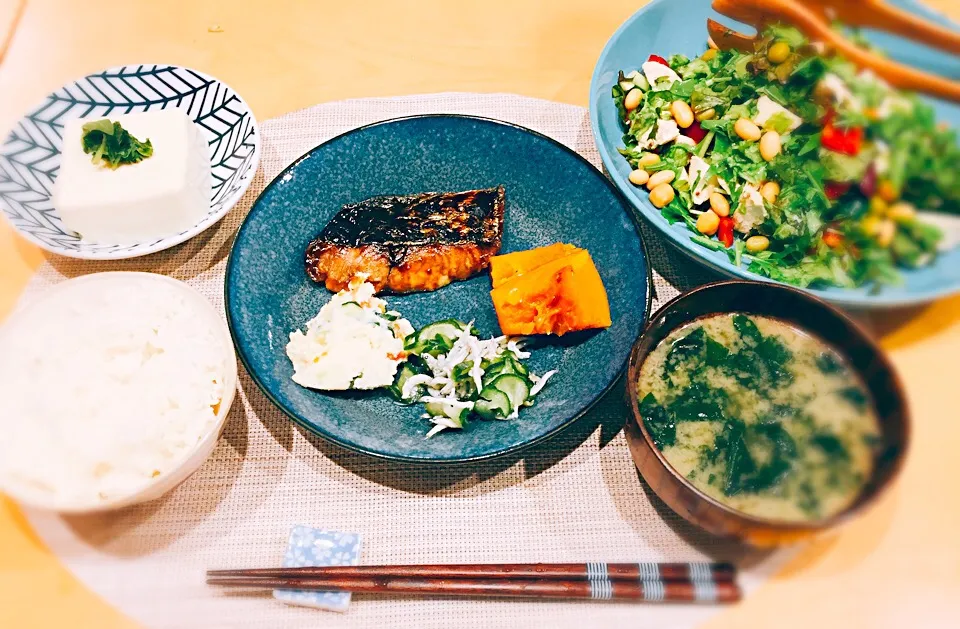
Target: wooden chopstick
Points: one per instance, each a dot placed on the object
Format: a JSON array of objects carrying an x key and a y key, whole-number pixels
[
  {"x": 717, "y": 572},
  {"x": 668, "y": 582},
  {"x": 706, "y": 591}
]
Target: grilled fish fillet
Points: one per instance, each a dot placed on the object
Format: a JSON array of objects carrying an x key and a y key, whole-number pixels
[{"x": 410, "y": 243}]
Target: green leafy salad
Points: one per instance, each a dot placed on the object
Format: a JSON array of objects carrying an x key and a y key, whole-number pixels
[{"x": 799, "y": 166}]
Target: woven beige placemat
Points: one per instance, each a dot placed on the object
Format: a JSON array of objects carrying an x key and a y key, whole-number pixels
[{"x": 575, "y": 498}]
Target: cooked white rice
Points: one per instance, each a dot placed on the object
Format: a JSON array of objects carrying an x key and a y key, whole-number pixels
[{"x": 104, "y": 388}]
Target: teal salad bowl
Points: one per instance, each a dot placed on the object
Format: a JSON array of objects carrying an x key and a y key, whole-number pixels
[{"x": 666, "y": 27}]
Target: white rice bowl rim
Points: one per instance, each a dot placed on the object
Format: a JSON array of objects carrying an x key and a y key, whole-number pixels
[{"x": 192, "y": 458}]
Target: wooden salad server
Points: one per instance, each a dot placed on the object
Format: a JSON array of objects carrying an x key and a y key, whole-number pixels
[{"x": 809, "y": 19}]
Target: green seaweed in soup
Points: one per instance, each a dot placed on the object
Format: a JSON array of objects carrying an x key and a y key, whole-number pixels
[{"x": 760, "y": 416}]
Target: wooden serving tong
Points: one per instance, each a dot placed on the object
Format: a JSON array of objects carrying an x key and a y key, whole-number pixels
[
  {"x": 810, "y": 17},
  {"x": 882, "y": 16}
]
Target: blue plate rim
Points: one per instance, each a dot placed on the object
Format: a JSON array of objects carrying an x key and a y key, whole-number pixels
[
  {"x": 352, "y": 447},
  {"x": 645, "y": 210}
]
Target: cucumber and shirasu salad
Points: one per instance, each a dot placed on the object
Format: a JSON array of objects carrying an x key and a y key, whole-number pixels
[{"x": 457, "y": 375}]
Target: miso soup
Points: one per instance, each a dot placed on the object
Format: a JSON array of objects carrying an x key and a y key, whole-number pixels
[{"x": 762, "y": 417}]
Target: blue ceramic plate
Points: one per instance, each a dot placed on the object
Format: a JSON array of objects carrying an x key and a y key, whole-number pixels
[
  {"x": 553, "y": 195},
  {"x": 666, "y": 27},
  {"x": 30, "y": 155}
]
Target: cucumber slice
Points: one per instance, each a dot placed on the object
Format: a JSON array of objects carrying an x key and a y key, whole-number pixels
[
  {"x": 457, "y": 414},
  {"x": 493, "y": 404},
  {"x": 507, "y": 364},
  {"x": 494, "y": 369},
  {"x": 518, "y": 367},
  {"x": 435, "y": 337},
  {"x": 465, "y": 387},
  {"x": 516, "y": 387},
  {"x": 353, "y": 307},
  {"x": 461, "y": 371},
  {"x": 450, "y": 328},
  {"x": 410, "y": 342},
  {"x": 409, "y": 369}
]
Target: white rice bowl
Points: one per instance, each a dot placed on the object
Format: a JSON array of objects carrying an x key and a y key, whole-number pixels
[{"x": 114, "y": 388}]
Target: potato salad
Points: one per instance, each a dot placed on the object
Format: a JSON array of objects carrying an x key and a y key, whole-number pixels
[{"x": 354, "y": 342}]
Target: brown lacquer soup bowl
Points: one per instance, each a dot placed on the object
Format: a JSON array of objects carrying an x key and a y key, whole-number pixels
[{"x": 808, "y": 314}]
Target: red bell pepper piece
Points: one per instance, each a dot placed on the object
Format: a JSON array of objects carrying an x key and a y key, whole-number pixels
[
  {"x": 831, "y": 238},
  {"x": 695, "y": 132},
  {"x": 847, "y": 141},
  {"x": 658, "y": 59},
  {"x": 835, "y": 189},
  {"x": 725, "y": 231}
]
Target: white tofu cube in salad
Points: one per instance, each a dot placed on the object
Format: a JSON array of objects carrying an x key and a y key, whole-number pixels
[
  {"x": 750, "y": 212},
  {"x": 769, "y": 111},
  {"x": 659, "y": 76}
]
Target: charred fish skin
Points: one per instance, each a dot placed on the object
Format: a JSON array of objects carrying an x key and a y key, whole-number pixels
[
  {"x": 399, "y": 224},
  {"x": 408, "y": 243}
]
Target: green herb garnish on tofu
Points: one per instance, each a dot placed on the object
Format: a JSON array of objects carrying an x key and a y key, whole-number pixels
[{"x": 112, "y": 146}]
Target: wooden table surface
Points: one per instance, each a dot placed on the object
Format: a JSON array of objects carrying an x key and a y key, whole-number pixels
[{"x": 898, "y": 566}]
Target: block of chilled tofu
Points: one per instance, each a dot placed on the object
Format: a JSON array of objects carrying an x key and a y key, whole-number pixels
[{"x": 162, "y": 195}]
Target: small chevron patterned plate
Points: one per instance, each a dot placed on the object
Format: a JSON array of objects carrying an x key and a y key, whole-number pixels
[{"x": 30, "y": 155}]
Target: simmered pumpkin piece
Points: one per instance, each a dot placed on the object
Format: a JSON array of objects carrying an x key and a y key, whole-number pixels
[
  {"x": 565, "y": 295},
  {"x": 505, "y": 267}
]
